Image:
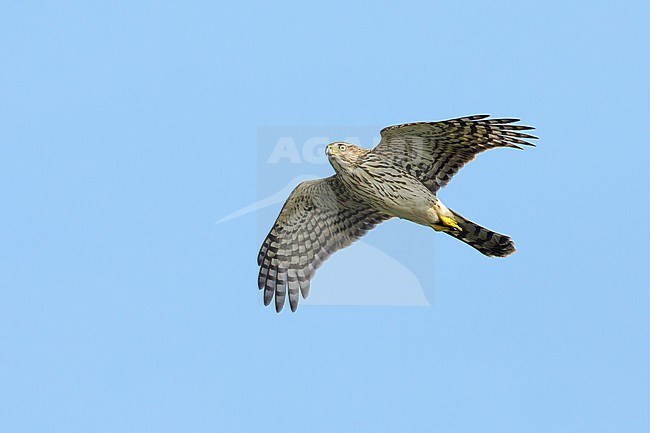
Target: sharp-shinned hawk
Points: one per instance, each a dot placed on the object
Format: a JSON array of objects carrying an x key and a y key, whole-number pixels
[{"x": 398, "y": 178}]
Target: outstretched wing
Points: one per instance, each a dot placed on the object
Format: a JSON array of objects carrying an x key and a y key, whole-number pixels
[
  {"x": 434, "y": 151},
  {"x": 319, "y": 218}
]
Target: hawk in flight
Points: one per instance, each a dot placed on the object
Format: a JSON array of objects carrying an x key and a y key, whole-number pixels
[{"x": 398, "y": 178}]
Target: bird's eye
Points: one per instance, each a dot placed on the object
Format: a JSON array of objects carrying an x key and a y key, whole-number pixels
[{"x": 342, "y": 147}]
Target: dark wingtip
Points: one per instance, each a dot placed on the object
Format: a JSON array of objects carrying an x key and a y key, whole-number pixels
[
  {"x": 524, "y": 143},
  {"x": 268, "y": 296},
  {"x": 279, "y": 299},
  {"x": 520, "y": 135}
]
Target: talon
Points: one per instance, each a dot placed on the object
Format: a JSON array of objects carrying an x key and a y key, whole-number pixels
[{"x": 449, "y": 222}]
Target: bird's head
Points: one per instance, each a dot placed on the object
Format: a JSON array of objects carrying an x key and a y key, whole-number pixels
[{"x": 343, "y": 156}]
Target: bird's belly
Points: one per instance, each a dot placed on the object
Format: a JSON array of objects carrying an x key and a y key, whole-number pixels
[
  {"x": 418, "y": 211},
  {"x": 400, "y": 197}
]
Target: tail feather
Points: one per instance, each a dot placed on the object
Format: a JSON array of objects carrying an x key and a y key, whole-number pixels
[{"x": 485, "y": 241}]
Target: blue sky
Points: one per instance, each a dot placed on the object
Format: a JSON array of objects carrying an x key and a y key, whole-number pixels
[{"x": 127, "y": 129}]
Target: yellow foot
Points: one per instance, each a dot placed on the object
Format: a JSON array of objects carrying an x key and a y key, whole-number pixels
[{"x": 447, "y": 223}]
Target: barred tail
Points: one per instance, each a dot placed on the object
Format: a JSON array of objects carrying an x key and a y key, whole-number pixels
[{"x": 486, "y": 241}]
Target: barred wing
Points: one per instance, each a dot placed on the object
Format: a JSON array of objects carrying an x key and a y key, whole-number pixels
[
  {"x": 434, "y": 151},
  {"x": 318, "y": 219}
]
